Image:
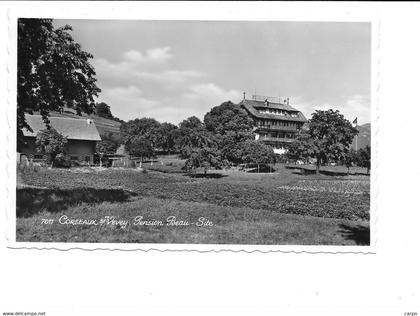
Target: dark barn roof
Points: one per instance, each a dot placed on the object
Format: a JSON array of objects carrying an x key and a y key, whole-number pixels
[
  {"x": 72, "y": 128},
  {"x": 104, "y": 125},
  {"x": 252, "y": 105}
]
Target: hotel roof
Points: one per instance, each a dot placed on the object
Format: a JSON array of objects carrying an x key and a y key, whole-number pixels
[{"x": 252, "y": 105}]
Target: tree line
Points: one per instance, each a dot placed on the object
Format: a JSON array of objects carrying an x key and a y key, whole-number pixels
[
  {"x": 326, "y": 138},
  {"x": 222, "y": 139},
  {"x": 225, "y": 138},
  {"x": 54, "y": 72}
]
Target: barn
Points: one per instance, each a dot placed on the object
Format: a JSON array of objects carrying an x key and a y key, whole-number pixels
[{"x": 81, "y": 134}]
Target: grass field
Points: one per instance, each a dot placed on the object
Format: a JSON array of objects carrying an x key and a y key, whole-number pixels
[
  {"x": 330, "y": 170},
  {"x": 284, "y": 207}
]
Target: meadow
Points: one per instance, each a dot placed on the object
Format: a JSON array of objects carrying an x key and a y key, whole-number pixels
[{"x": 225, "y": 207}]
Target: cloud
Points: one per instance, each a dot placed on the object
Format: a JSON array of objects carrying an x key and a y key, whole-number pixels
[
  {"x": 149, "y": 70},
  {"x": 130, "y": 102},
  {"x": 170, "y": 79},
  {"x": 143, "y": 84},
  {"x": 350, "y": 106},
  {"x": 211, "y": 92},
  {"x": 127, "y": 102},
  {"x": 200, "y": 98},
  {"x": 131, "y": 63},
  {"x": 156, "y": 55},
  {"x": 359, "y": 106}
]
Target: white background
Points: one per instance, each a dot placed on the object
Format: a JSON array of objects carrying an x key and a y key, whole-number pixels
[{"x": 79, "y": 282}]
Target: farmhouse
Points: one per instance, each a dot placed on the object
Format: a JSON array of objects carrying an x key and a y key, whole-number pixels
[
  {"x": 277, "y": 123},
  {"x": 81, "y": 134}
]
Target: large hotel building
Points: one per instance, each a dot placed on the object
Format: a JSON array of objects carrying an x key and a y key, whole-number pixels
[{"x": 276, "y": 122}]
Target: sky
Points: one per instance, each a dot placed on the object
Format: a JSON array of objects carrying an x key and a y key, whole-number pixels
[{"x": 171, "y": 70}]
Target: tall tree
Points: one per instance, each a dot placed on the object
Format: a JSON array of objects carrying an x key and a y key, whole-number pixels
[
  {"x": 192, "y": 134},
  {"x": 140, "y": 146},
  {"x": 167, "y": 135},
  {"x": 350, "y": 158},
  {"x": 147, "y": 128},
  {"x": 301, "y": 149},
  {"x": 257, "y": 152},
  {"x": 197, "y": 145},
  {"x": 231, "y": 126},
  {"x": 205, "y": 157},
  {"x": 327, "y": 138},
  {"x": 52, "y": 71},
  {"x": 192, "y": 122},
  {"x": 364, "y": 158},
  {"x": 228, "y": 118},
  {"x": 103, "y": 110},
  {"x": 106, "y": 147}
]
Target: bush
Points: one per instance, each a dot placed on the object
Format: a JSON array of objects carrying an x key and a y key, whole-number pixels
[
  {"x": 62, "y": 161},
  {"x": 282, "y": 158},
  {"x": 257, "y": 152},
  {"x": 51, "y": 143}
]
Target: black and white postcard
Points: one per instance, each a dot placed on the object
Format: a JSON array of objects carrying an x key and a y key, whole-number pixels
[
  {"x": 193, "y": 132},
  {"x": 259, "y": 129}
]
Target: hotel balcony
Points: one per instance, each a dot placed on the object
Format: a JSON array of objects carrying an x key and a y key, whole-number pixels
[
  {"x": 277, "y": 128},
  {"x": 270, "y": 139}
]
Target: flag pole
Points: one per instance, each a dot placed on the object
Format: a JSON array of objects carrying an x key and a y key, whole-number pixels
[{"x": 357, "y": 135}]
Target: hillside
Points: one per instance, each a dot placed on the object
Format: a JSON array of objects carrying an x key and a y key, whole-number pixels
[{"x": 363, "y": 137}]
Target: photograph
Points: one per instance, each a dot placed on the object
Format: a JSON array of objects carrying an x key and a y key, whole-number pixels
[
  {"x": 209, "y": 158},
  {"x": 193, "y": 132}
]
